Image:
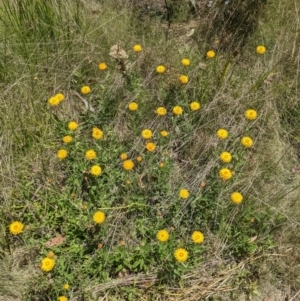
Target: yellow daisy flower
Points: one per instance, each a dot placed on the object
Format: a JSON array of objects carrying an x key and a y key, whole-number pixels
[
  {"x": 164, "y": 133},
  {"x": 137, "y": 48},
  {"x": 161, "y": 111},
  {"x": 99, "y": 217},
  {"x": 236, "y": 197},
  {"x": 251, "y": 114},
  {"x": 139, "y": 158},
  {"x": 16, "y": 228},
  {"x": 185, "y": 62},
  {"x": 67, "y": 139},
  {"x": 177, "y": 110},
  {"x": 195, "y": 106},
  {"x": 90, "y": 154},
  {"x": 133, "y": 106},
  {"x": 210, "y": 54},
  {"x": 150, "y": 146},
  {"x": 197, "y": 237},
  {"x": 222, "y": 133},
  {"x": 181, "y": 254},
  {"x": 128, "y": 164},
  {"x": 162, "y": 235},
  {"x": 183, "y": 79},
  {"x": 62, "y": 298},
  {"x": 66, "y": 286},
  {"x": 123, "y": 156},
  {"x": 102, "y": 66},
  {"x": 96, "y": 170},
  {"x": 161, "y": 164},
  {"x": 97, "y": 133},
  {"x": 85, "y": 90},
  {"x": 62, "y": 154},
  {"x": 225, "y": 174},
  {"x": 147, "y": 134},
  {"x": 261, "y": 49},
  {"x": 184, "y": 193},
  {"x": 160, "y": 69},
  {"x": 247, "y": 141},
  {"x": 60, "y": 97},
  {"x": 53, "y": 101},
  {"x": 72, "y": 125},
  {"x": 226, "y": 157},
  {"x": 47, "y": 264}
]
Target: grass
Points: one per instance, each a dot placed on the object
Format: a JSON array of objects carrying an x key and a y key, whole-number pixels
[{"x": 249, "y": 250}]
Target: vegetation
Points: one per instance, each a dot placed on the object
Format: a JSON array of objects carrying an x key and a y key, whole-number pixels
[{"x": 149, "y": 154}]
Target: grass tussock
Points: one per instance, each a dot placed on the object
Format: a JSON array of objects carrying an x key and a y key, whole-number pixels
[{"x": 93, "y": 220}]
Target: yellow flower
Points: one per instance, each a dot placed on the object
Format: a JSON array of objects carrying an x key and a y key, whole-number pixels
[
  {"x": 162, "y": 235},
  {"x": 225, "y": 174},
  {"x": 247, "y": 141},
  {"x": 85, "y": 90},
  {"x": 128, "y": 164},
  {"x": 47, "y": 264},
  {"x": 251, "y": 114},
  {"x": 197, "y": 237},
  {"x": 210, "y": 54},
  {"x": 150, "y": 146},
  {"x": 62, "y": 154},
  {"x": 137, "y": 48},
  {"x": 226, "y": 157},
  {"x": 90, "y": 154},
  {"x": 62, "y": 298},
  {"x": 184, "y": 193},
  {"x": 72, "y": 125},
  {"x": 164, "y": 133},
  {"x": 261, "y": 49},
  {"x": 60, "y": 97},
  {"x": 102, "y": 66},
  {"x": 133, "y": 106},
  {"x": 185, "y": 62},
  {"x": 161, "y": 164},
  {"x": 236, "y": 197},
  {"x": 53, "y": 101},
  {"x": 195, "y": 106},
  {"x": 16, "y": 228},
  {"x": 183, "y": 79},
  {"x": 67, "y": 139},
  {"x": 123, "y": 156},
  {"x": 97, "y": 133},
  {"x": 161, "y": 111},
  {"x": 147, "y": 134},
  {"x": 222, "y": 133},
  {"x": 181, "y": 255},
  {"x": 139, "y": 158},
  {"x": 177, "y": 110},
  {"x": 99, "y": 217},
  {"x": 50, "y": 254},
  {"x": 96, "y": 170},
  {"x": 160, "y": 69}
]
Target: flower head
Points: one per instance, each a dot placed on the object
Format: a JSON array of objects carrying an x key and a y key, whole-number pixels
[
  {"x": 128, "y": 164},
  {"x": 99, "y": 217},
  {"x": 184, "y": 193},
  {"x": 137, "y": 48},
  {"x": 161, "y": 111},
  {"x": 102, "y": 66},
  {"x": 181, "y": 255},
  {"x": 16, "y": 228},
  {"x": 47, "y": 264},
  {"x": 139, "y": 158},
  {"x": 246, "y": 141},
  {"x": 250, "y": 114},
  {"x": 183, "y": 79},
  {"x": 197, "y": 237},
  {"x": 53, "y": 101},
  {"x": 164, "y": 133},
  {"x": 67, "y": 139},
  {"x": 50, "y": 254},
  {"x": 185, "y": 62},
  {"x": 150, "y": 146},
  {"x": 96, "y": 170},
  {"x": 85, "y": 90},
  {"x": 62, "y": 298},
  {"x": 62, "y": 154},
  {"x": 210, "y": 54},
  {"x": 225, "y": 174},
  {"x": 60, "y": 97},
  {"x": 66, "y": 286},
  {"x": 147, "y": 134},
  {"x": 97, "y": 133},
  {"x": 162, "y": 235},
  {"x": 72, "y": 125},
  {"x": 161, "y": 164},
  {"x": 160, "y": 69},
  {"x": 133, "y": 106},
  {"x": 222, "y": 133},
  {"x": 123, "y": 156},
  {"x": 90, "y": 154},
  {"x": 177, "y": 110},
  {"x": 226, "y": 157},
  {"x": 195, "y": 106},
  {"x": 261, "y": 49},
  {"x": 236, "y": 197}
]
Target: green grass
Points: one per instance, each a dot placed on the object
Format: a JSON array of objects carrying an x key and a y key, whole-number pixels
[{"x": 249, "y": 249}]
